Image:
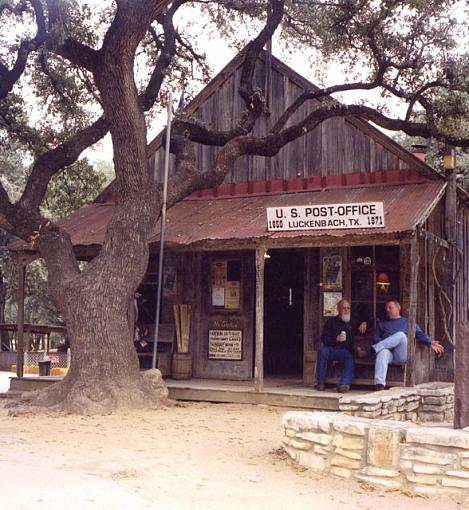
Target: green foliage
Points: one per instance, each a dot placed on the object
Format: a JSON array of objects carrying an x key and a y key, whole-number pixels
[
  {"x": 76, "y": 186},
  {"x": 106, "y": 169},
  {"x": 68, "y": 191},
  {"x": 13, "y": 172},
  {"x": 38, "y": 308}
]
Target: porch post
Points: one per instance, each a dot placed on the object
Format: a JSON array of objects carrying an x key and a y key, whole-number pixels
[
  {"x": 259, "y": 361},
  {"x": 414, "y": 272},
  {"x": 20, "y": 319},
  {"x": 451, "y": 230}
]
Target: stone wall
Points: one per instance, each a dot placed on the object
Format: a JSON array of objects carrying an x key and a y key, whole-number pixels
[
  {"x": 425, "y": 402},
  {"x": 397, "y": 455}
]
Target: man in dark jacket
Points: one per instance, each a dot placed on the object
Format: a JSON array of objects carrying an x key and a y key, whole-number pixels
[{"x": 337, "y": 339}]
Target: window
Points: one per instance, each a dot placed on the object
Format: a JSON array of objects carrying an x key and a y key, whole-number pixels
[{"x": 374, "y": 280}]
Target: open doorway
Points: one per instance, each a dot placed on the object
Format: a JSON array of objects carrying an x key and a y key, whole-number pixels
[{"x": 283, "y": 313}]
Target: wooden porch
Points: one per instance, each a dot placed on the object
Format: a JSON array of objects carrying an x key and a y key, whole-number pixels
[{"x": 283, "y": 392}]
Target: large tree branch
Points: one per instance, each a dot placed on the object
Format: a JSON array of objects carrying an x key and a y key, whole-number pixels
[
  {"x": 4, "y": 205},
  {"x": 74, "y": 51},
  {"x": 16, "y": 220},
  {"x": 199, "y": 133},
  {"x": 255, "y": 46},
  {"x": 116, "y": 83},
  {"x": 52, "y": 162},
  {"x": 41, "y": 233},
  {"x": 189, "y": 178},
  {"x": 272, "y": 143},
  {"x": 131, "y": 22},
  {"x": 12, "y": 120},
  {"x": 8, "y": 77},
  {"x": 321, "y": 94},
  {"x": 77, "y": 53},
  {"x": 254, "y": 101},
  {"x": 168, "y": 50}
]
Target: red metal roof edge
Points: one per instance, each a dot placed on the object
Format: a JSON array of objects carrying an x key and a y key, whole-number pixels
[
  {"x": 355, "y": 179},
  {"x": 259, "y": 188},
  {"x": 407, "y": 205},
  {"x": 423, "y": 191}
]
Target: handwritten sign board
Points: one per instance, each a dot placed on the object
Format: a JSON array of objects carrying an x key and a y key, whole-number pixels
[
  {"x": 326, "y": 216},
  {"x": 225, "y": 340}
]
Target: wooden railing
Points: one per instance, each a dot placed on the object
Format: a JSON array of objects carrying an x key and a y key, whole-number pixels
[{"x": 39, "y": 335}]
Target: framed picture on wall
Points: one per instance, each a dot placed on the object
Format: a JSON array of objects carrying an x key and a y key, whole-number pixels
[
  {"x": 332, "y": 272},
  {"x": 330, "y": 300}
]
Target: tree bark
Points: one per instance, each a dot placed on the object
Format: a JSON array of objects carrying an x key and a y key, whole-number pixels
[{"x": 104, "y": 373}]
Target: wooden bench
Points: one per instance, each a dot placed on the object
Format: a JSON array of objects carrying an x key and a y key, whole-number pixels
[
  {"x": 365, "y": 367},
  {"x": 364, "y": 373}
]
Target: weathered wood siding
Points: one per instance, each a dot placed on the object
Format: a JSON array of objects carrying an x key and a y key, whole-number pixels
[
  {"x": 337, "y": 146},
  {"x": 430, "y": 315},
  {"x": 197, "y": 288},
  {"x": 462, "y": 267}
]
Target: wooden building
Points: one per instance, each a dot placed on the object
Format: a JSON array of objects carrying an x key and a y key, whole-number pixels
[{"x": 351, "y": 214}]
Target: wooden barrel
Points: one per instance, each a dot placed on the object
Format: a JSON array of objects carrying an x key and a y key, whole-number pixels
[
  {"x": 181, "y": 366},
  {"x": 309, "y": 367}
]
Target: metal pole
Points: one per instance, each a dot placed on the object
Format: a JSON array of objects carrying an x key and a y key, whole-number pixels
[{"x": 163, "y": 221}]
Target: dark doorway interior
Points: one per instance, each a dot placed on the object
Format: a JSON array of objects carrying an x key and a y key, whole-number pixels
[{"x": 283, "y": 312}]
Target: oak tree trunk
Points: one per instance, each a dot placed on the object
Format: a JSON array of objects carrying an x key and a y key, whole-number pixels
[{"x": 104, "y": 373}]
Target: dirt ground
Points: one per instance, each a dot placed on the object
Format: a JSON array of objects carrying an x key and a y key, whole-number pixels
[{"x": 188, "y": 456}]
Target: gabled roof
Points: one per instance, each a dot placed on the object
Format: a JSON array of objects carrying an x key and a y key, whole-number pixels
[
  {"x": 305, "y": 84},
  {"x": 230, "y": 69}
]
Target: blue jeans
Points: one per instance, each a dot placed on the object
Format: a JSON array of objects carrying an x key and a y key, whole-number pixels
[
  {"x": 392, "y": 349},
  {"x": 344, "y": 356}
]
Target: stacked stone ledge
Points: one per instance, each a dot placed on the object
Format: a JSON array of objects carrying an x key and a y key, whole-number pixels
[
  {"x": 437, "y": 403},
  {"x": 392, "y": 454},
  {"x": 423, "y": 403}
]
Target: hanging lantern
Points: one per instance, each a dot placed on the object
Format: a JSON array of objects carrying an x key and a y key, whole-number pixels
[{"x": 383, "y": 282}]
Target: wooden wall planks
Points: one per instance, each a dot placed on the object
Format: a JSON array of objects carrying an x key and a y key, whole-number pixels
[{"x": 335, "y": 147}]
